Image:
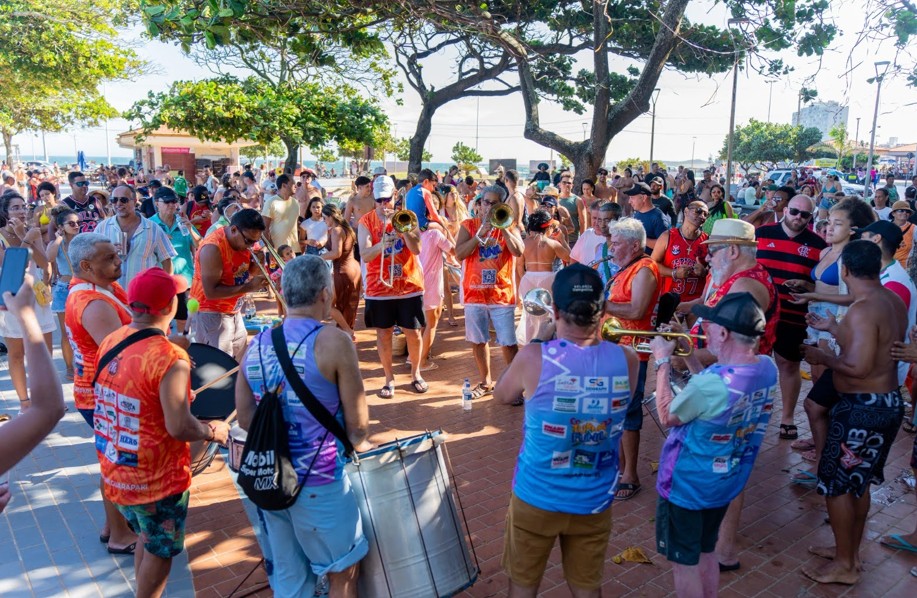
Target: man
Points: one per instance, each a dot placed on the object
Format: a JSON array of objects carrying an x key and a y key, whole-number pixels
[
  {"x": 168, "y": 219},
  {"x": 487, "y": 285},
  {"x": 393, "y": 285},
  {"x": 211, "y": 182},
  {"x": 717, "y": 424},
  {"x": 180, "y": 186},
  {"x": 632, "y": 299},
  {"x": 143, "y": 425},
  {"x": 420, "y": 201},
  {"x": 324, "y": 531},
  {"x": 281, "y": 215},
  {"x": 651, "y": 217},
  {"x": 199, "y": 210},
  {"x": 890, "y": 190},
  {"x": 541, "y": 175},
  {"x": 658, "y": 198},
  {"x": 147, "y": 207},
  {"x": 96, "y": 307},
  {"x": 603, "y": 260},
  {"x": 681, "y": 255},
  {"x": 589, "y": 242},
  {"x": 603, "y": 189},
  {"x": 575, "y": 206},
  {"x": 910, "y": 194},
  {"x": 576, "y": 390},
  {"x": 864, "y": 422},
  {"x": 223, "y": 273},
  {"x": 702, "y": 189},
  {"x": 81, "y": 202},
  {"x": 361, "y": 202},
  {"x": 307, "y": 189},
  {"x": 789, "y": 251},
  {"x": 140, "y": 243}
]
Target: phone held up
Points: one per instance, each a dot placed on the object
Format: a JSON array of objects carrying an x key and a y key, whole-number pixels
[{"x": 15, "y": 262}]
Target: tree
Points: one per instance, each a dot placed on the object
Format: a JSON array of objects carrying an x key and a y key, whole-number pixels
[
  {"x": 804, "y": 139},
  {"x": 227, "y": 109},
  {"x": 274, "y": 148},
  {"x": 402, "y": 151},
  {"x": 53, "y": 56},
  {"x": 635, "y": 163},
  {"x": 465, "y": 157},
  {"x": 764, "y": 145}
]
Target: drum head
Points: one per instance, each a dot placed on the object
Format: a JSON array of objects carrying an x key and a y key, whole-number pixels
[{"x": 218, "y": 401}]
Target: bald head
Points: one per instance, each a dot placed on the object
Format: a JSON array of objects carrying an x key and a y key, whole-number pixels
[{"x": 799, "y": 212}]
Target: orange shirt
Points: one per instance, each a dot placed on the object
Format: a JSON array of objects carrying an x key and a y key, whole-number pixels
[
  {"x": 85, "y": 349},
  {"x": 488, "y": 275},
  {"x": 408, "y": 278},
  {"x": 235, "y": 272},
  {"x": 141, "y": 463},
  {"x": 621, "y": 292},
  {"x": 904, "y": 250}
]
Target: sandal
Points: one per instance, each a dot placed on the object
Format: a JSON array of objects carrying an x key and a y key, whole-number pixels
[
  {"x": 803, "y": 444},
  {"x": 481, "y": 390},
  {"x": 420, "y": 386},
  {"x": 631, "y": 491},
  {"x": 805, "y": 478},
  {"x": 908, "y": 427},
  {"x": 809, "y": 456},
  {"x": 788, "y": 432},
  {"x": 387, "y": 391}
]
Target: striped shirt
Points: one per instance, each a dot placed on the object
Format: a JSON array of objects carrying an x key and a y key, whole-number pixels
[
  {"x": 148, "y": 247},
  {"x": 787, "y": 258}
]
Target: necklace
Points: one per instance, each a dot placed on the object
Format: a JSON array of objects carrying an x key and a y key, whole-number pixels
[{"x": 692, "y": 243}]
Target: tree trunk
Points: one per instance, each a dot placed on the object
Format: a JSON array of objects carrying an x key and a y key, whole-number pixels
[
  {"x": 292, "y": 153},
  {"x": 8, "y": 144},
  {"x": 419, "y": 140},
  {"x": 586, "y": 162}
]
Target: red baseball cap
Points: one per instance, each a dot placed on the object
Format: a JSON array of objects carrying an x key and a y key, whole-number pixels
[{"x": 152, "y": 290}]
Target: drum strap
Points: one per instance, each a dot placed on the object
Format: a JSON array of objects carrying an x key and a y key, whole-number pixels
[
  {"x": 312, "y": 404},
  {"x": 124, "y": 344}
]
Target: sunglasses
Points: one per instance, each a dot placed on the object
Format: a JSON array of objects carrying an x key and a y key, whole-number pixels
[
  {"x": 248, "y": 242},
  {"x": 383, "y": 199},
  {"x": 902, "y": 210},
  {"x": 794, "y": 212},
  {"x": 122, "y": 199},
  {"x": 700, "y": 212},
  {"x": 81, "y": 184},
  {"x": 713, "y": 250}
]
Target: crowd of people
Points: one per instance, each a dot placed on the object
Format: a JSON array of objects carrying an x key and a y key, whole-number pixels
[{"x": 805, "y": 277}]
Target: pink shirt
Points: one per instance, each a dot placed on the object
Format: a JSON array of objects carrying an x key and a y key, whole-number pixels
[{"x": 432, "y": 245}]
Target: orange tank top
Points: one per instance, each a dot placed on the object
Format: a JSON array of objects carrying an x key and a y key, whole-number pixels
[
  {"x": 85, "y": 349},
  {"x": 408, "y": 275},
  {"x": 235, "y": 272},
  {"x": 621, "y": 292},
  {"x": 488, "y": 275},
  {"x": 141, "y": 463},
  {"x": 904, "y": 250}
]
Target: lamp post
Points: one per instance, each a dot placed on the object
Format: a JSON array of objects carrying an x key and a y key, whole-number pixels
[
  {"x": 653, "y": 97},
  {"x": 882, "y": 66},
  {"x": 693, "y": 143},
  {"x": 856, "y": 146},
  {"x": 732, "y": 111},
  {"x": 584, "y": 131}
]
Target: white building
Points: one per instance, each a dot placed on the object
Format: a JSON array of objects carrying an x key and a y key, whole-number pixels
[{"x": 824, "y": 116}]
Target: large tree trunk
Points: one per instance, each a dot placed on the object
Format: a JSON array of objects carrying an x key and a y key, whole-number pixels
[
  {"x": 586, "y": 162},
  {"x": 424, "y": 126},
  {"x": 8, "y": 144},
  {"x": 289, "y": 164}
]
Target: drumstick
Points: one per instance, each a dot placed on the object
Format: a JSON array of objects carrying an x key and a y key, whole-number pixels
[
  {"x": 230, "y": 417},
  {"x": 219, "y": 378}
]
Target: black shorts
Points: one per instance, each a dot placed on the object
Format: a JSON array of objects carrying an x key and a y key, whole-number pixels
[
  {"x": 406, "y": 312},
  {"x": 683, "y": 534},
  {"x": 789, "y": 338},
  {"x": 182, "y": 312},
  {"x": 823, "y": 392}
]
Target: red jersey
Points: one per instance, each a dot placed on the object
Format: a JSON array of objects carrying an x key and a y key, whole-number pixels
[
  {"x": 195, "y": 209},
  {"x": 408, "y": 274},
  {"x": 681, "y": 253},
  {"x": 488, "y": 273},
  {"x": 141, "y": 463},
  {"x": 235, "y": 273},
  {"x": 771, "y": 313},
  {"x": 621, "y": 292}
]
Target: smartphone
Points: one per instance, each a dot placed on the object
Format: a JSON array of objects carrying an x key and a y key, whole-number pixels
[{"x": 15, "y": 261}]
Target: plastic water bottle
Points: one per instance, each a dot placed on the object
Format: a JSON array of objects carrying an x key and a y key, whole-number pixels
[
  {"x": 466, "y": 395},
  {"x": 182, "y": 228}
]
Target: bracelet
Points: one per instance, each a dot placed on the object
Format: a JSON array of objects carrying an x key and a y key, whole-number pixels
[
  {"x": 660, "y": 362},
  {"x": 212, "y": 434}
]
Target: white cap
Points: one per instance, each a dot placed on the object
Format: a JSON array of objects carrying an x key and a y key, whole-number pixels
[
  {"x": 379, "y": 170},
  {"x": 270, "y": 186},
  {"x": 383, "y": 187}
]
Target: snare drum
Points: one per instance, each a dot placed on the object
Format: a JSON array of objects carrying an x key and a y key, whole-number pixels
[
  {"x": 236, "y": 443},
  {"x": 417, "y": 545},
  {"x": 218, "y": 401}
]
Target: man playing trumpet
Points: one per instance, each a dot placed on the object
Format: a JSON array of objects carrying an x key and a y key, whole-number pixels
[{"x": 394, "y": 283}]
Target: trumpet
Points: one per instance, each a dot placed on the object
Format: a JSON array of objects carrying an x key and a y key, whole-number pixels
[
  {"x": 403, "y": 221},
  {"x": 501, "y": 217},
  {"x": 612, "y": 332},
  {"x": 270, "y": 282}
]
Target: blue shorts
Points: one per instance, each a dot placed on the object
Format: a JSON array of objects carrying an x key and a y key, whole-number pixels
[
  {"x": 321, "y": 533},
  {"x": 59, "y": 293},
  {"x": 821, "y": 308},
  {"x": 633, "y": 419},
  {"x": 479, "y": 317}
]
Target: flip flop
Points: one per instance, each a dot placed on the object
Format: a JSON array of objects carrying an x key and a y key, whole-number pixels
[
  {"x": 788, "y": 432},
  {"x": 805, "y": 478},
  {"x": 633, "y": 490},
  {"x": 897, "y": 542},
  {"x": 803, "y": 444},
  {"x": 808, "y": 455},
  {"x": 420, "y": 386},
  {"x": 129, "y": 549},
  {"x": 387, "y": 391},
  {"x": 104, "y": 539},
  {"x": 908, "y": 427},
  {"x": 732, "y": 567}
]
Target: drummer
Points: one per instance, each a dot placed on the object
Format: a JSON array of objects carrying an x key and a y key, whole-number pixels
[
  {"x": 96, "y": 306},
  {"x": 322, "y": 532},
  {"x": 223, "y": 274}
]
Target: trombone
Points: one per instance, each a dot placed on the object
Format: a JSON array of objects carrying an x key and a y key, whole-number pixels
[
  {"x": 613, "y": 332},
  {"x": 403, "y": 221},
  {"x": 270, "y": 282},
  {"x": 273, "y": 252},
  {"x": 501, "y": 217}
]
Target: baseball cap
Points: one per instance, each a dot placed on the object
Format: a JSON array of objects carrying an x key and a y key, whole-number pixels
[
  {"x": 549, "y": 201},
  {"x": 889, "y": 231},
  {"x": 165, "y": 195},
  {"x": 639, "y": 189},
  {"x": 577, "y": 282},
  {"x": 383, "y": 187},
  {"x": 269, "y": 186},
  {"x": 152, "y": 290},
  {"x": 379, "y": 171},
  {"x": 200, "y": 193},
  {"x": 155, "y": 184},
  {"x": 736, "y": 312}
]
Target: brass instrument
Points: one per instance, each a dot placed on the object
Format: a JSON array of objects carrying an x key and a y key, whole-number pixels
[
  {"x": 273, "y": 252},
  {"x": 538, "y": 302},
  {"x": 501, "y": 217},
  {"x": 403, "y": 221},
  {"x": 270, "y": 282},
  {"x": 612, "y": 332}
]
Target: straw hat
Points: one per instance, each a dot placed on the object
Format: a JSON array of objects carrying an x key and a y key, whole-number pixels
[
  {"x": 902, "y": 205},
  {"x": 732, "y": 231},
  {"x": 550, "y": 190}
]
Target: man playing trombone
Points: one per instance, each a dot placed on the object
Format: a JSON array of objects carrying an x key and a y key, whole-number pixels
[{"x": 389, "y": 245}]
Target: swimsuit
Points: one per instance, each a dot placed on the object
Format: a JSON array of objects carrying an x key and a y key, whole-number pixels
[{"x": 831, "y": 275}]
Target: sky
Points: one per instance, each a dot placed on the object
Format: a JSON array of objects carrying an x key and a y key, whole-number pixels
[{"x": 692, "y": 112}]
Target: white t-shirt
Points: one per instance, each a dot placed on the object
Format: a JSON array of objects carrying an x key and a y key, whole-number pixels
[
  {"x": 584, "y": 249},
  {"x": 751, "y": 196},
  {"x": 284, "y": 215},
  {"x": 883, "y": 213},
  {"x": 316, "y": 230},
  {"x": 895, "y": 279}
]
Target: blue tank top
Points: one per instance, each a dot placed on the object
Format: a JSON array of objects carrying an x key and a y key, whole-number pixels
[
  {"x": 310, "y": 443},
  {"x": 63, "y": 264},
  {"x": 706, "y": 462},
  {"x": 568, "y": 461}
]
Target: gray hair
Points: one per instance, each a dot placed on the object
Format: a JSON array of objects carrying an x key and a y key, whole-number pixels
[
  {"x": 304, "y": 278},
  {"x": 628, "y": 228},
  {"x": 496, "y": 190},
  {"x": 748, "y": 251},
  {"x": 83, "y": 247},
  {"x": 743, "y": 339}
]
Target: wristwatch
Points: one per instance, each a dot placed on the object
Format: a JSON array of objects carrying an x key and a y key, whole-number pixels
[{"x": 659, "y": 362}]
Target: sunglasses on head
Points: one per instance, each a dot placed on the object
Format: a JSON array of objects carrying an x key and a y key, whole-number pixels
[{"x": 796, "y": 212}]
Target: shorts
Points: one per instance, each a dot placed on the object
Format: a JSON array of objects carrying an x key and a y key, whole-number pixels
[
  {"x": 9, "y": 324},
  {"x": 321, "y": 533},
  {"x": 682, "y": 535},
  {"x": 226, "y": 332},
  {"x": 788, "y": 339},
  {"x": 406, "y": 312},
  {"x": 478, "y": 318},
  {"x": 821, "y": 308},
  {"x": 88, "y": 416},
  {"x": 530, "y": 535},
  {"x": 161, "y": 524},
  {"x": 823, "y": 392},
  {"x": 182, "y": 312},
  {"x": 861, "y": 430},
  {"x": 633, "y": 419},
  {"x": 59, "y": 293}
]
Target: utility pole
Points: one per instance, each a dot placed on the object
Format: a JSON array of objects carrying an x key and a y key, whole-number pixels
[
  {"x": 654, "y": 97},
  {"x": 770, "y": 95},
  {"x": 732, "y": 111},
  {"x": 693, "y": 144},
  {"x": 856, "y": 146},
  {"x": 883, "y": 64}
]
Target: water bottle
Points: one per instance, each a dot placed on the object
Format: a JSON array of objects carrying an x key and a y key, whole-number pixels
[
  {"x": 466, "y": 395},
  {"x": 182, "y": 228}
]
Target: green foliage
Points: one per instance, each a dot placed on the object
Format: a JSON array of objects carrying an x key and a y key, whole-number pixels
[
  {"x": 325, "y": 154},
  {"x": 402, "y": 150},
  {"x": 274, "y": 148},
  {"x": 636, "y": 163},
  {"x": 838, "y": 137},
  {"x": 467, "y": 158},
  {"x": 763, "y": 145}
]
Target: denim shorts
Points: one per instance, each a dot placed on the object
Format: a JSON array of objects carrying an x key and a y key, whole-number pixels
[
  {"x": 479, "y": 317},
  {"x": 59, "y": 293}
]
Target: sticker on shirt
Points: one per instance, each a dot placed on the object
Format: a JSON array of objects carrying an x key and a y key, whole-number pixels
[
  {"x": 129, "y": 423},
  {"x": 129, "y": 405},
  {"x": 720, "y": 438},
  {"x": 589, "y": 432},
  {"x": 253, "y": 372},
  {"x": 584, "y": 459},
  {"x": 720, "y": 465},
  {"x": 620, "y": 383},
  {"x": 397, "y": 271},
  {"x": 619, "y": 404},
  {"x": 607, "y": 459},
  {"x": 595, "y": 406},
  {"x": 599, "y": 384},
  {"x": 567, "y": 384},
  {"x": 489, "y": 276},
  {"x": 129, "y": 442},
  {"x": 555, "y": 430},
  {"x": 560, "y": 460},
  {"x": 566, "y": 404}
]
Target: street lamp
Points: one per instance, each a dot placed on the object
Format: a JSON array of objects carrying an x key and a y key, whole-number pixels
[
  {"x": 732, "y": 110},
  {"x": 584, "y": 131},
  {"x": 856, "y": 147},
  {"x": 881, "y": 70},
  {"x": 653, "y": 97},
  {"x": 693, "y": 142}
]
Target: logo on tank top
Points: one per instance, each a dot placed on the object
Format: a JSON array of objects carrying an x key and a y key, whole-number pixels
[
  {"x": 113, "y": 366},
  {"x": 560, "y": 460},
  {"x": 620, "y": 383},
  {"x": 595, "y": 406},
  {"x": 676, "y": 249},
  {"x": 589, "y": 432},
  {"x": 566, "y": 404},
  {"x": 555, "y": 430},
  {"x": 567, "y": 384},
  {"x": 596, "y": 384}
]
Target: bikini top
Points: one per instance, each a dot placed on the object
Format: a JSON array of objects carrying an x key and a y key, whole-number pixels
[{"x": 831, "y": 274}]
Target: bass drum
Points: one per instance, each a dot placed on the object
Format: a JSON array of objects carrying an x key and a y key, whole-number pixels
[
  {"x": 417, "y": 546},
  {"x": 218, "y": 401}
]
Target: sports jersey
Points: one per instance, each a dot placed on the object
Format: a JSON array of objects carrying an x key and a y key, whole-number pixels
[
  {"x": 771, "y": 312},
  {"x": 621, "y": 292},
  {"x": 407, "y": 280},
  {"x": 89, "y": 213},
  {"x": 235, "y": 273},
  {"x": 488, "y": 274},
  {"x": 681, "y": 253},
  {"x": 787, "y": 258},
  {"x": 895, "y": 278}
]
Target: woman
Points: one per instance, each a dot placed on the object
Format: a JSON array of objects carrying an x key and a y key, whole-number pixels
[
  {"x": 901, "y": 211},
  {"x": 47, "y": 201},
  {"x": 68, "y": 226},
  {"x": 453, "y": 214},
  {"x": 681, "y": 255},
  {"x": 544, "y": 244},
  {"x": 344, "y": 267},
  {"x": 314, "y": 224},
  {"x": 436, "y": 246},
  {"x": 226, "y": 208},
  {"x": 587, "y": 192},
  {"x": 14, "y": 233},
  {"x": 718, "y": 206},
  {"x": 684, "y": 191}
]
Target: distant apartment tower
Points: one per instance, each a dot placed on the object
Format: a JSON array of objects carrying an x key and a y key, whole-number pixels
[{"x": 824, "y": 116}]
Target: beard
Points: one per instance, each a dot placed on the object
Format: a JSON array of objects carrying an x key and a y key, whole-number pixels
[{"x": 718, "y": 275}]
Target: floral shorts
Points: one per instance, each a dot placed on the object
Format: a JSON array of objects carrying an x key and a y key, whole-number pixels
[{"x": 161, "y": 524}]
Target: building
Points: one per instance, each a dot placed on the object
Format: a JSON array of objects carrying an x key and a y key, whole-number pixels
[
  {"x": 181, "y": 151},
  {"x": 824, "y": 116}
]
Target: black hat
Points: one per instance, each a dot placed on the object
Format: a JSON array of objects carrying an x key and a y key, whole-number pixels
[
  {"x": 165, "y": 195},
  {"x": 736, "y": 312},
  {"x": 577, "y": 282},
  {"x": 155, "y": 184},
  {"x": 639, "y": 189},
  {"x": 200, "y": 193},
  {"x": 543, "y": 166},
  {"x": 889, "y": 231}
]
